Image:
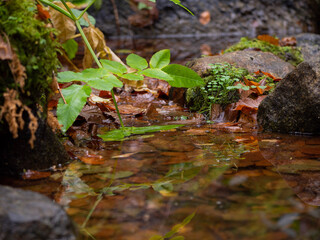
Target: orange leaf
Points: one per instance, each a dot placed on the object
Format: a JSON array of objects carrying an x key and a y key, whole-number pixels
[
  {"x": 269, "y": 39},
  {"x": 42, "y": 13},
  {"x": 92, "y": 159},
  {"x": 268, "y": 75},
  {"x": 257, "y": 90},
  {"x": 205, "y": 17}
]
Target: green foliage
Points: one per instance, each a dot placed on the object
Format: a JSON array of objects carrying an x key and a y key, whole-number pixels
[
  {"x": 32, "y": 41},
  {"x": 121, "y": 134},
  {"x": 174, "y": 230},
  {"x": 219, "y": 88},
  {"x": 76, "y": 97},
  {"x": 107, "y": 77},
  {"x": 290, "y": 54},
  {"x": 71, "y": 48}
]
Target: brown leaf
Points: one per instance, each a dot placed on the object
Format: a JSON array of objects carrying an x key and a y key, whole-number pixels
[
  {"x": 5, "y": 49},
  {"x": 205, "y": 17},
  {"x": 65, "y": 25},
  {"x": 288, "y": 41},
  {"x": 33, "y": 175},
  {"x": 269, "y": 39},
  {"x": 97, "y": 42},
  {"x": 92, "y": 159}
]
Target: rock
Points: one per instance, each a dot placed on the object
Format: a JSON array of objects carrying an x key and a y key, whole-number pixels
[
  {"x": 241, "y": 17},
  {"x": 16, "y": 155},
  {"x": 310, "y": 48},
  {"x": 30, "y": 216},
  {"x": 251, "y": 60},
  {"x": 294, "y": 105}
]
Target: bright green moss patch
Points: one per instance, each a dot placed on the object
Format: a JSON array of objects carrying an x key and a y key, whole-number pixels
[
  {"x": 289, "y": 54},
  {"x": 37, "y": 51}
]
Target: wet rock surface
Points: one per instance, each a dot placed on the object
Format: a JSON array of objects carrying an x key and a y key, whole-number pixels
[
  {"x": 294, "y": 105},
  {"x": 251, "y": 60},
  {"x": 245, "y": 17},
  {"x": 16, "y": 155},
  {"x": 27, "y": 215}
]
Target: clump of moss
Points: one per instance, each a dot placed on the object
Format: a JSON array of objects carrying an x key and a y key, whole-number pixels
[
  {"x": 37, "y": 51},
  {"x": 289, "y": 54},
  {"x": 219, "y": 88}
]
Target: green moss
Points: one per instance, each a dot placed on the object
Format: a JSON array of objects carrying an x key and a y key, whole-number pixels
[
  {"x": 32, "y": 41},
  {"x": 219, "y": 88},
  {"x": 289, "y": 54}
]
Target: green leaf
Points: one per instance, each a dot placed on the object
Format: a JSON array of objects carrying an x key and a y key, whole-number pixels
[
  {"x": 157, "y": 73},
  {"x": 82, "y": 21},
  {"x": 160, "y": 59},
  {"x": 137, "y": 62},
  {"x": 71, "y": 48},
  {"x": 133, "y": 76},
  {"x": 156, "y": 237},
  {"x": 105, "y": 83},
  {"x": 76, "y": 97},
  {"x": 117, "y": 175},
  {"x": 68, "y": 76},
  {"x": 113, "y": 67},
  {"x": 120, "y": 134},
  {"x": 163, "y": 186},
  {"x": 183, "y": 76}
]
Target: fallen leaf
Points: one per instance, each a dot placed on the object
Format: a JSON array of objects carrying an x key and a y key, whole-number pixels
[
  {"x": 33, "y": 175},
  {"x": 248, "y": 105},
  {"x": 92, "y": 159},
  {"x": 205, "y": 50},
  {"x": 288, "y": 41},
  {"x": 205, "y": 17},
  {"x": 125, "y": 155},
  {"x": 5, "y": 49},
  {"x": 268, "y": 75},
  {"x": 269, "y": 39},
  {"x": 42, "y": 13},
  {"x": 65, "y": 25}
]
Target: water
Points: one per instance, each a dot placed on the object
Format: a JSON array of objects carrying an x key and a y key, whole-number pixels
[{"x": 239, "y": 184}]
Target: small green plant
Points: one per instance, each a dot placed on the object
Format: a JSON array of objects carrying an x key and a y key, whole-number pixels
[
  {"x": 290, "y": 54},
  {"x": 108, "y": 75},
  {"x": 219, "y": 88}
]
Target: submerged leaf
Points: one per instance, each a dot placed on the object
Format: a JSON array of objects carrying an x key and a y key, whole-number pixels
[{"x": 120, "y": 134}]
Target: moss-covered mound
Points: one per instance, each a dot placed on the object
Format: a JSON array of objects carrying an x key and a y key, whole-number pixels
[
  {"x": 289, "y": 54},
  {"x": 219, "y": 88},
  {"x": 33, "y": 43}
]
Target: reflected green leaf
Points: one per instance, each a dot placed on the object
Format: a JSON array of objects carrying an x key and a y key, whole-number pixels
[
  {"x": 117, "y": 175},
  {"x": 121, "y": 134}
]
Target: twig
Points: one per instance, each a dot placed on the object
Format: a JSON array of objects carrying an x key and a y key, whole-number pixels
[
  {"x": 116, "y": 15},
  {"x": 64, "y": 100}
]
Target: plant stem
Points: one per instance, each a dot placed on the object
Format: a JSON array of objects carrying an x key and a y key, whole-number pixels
[
  {"x": 59, "y": 9},
  {"x": 100, "y": 66}
]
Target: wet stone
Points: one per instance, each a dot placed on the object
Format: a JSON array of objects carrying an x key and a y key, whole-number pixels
[{"x": 28, "y": 215}]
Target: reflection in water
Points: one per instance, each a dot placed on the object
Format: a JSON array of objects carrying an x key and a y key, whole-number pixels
[
  {"x": 297, "y": 160},
  {"x": 143, "y": 187}
]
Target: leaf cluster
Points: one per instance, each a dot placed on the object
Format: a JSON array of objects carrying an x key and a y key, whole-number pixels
[{"x": 110, "y": 76}]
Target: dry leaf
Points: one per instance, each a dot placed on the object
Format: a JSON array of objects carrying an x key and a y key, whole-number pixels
[
  {"x": 5, "y": 49},
  {"x": 288, "y": 41},
  {"x": 65, "y": 25},
  {"x": 269, "y": 39},
  {"x": 205, "y": 17},
  {"x": 42, "y": 13}
]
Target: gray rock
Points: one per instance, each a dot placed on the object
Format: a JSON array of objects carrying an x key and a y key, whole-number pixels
[
  {"x": 242, "y": 17},
  {"x": 294, "y": 105},
  {"x": 27, "y": 215},
  {"x": 310, "y": 48},
  {"x": 251, "y": 60}
]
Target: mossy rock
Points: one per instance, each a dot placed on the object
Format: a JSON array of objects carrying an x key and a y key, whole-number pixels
[
  {"x": 35, "y": 46},
  {"x": 289, "y": 54}
]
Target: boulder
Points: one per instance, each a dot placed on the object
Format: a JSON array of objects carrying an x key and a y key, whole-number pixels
[
  {"x": 294, "y": 105},
  {"x": 30, "y": 216},
  {"x": 251, "y": 60},
  {"x": 310, "y": 48}
]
